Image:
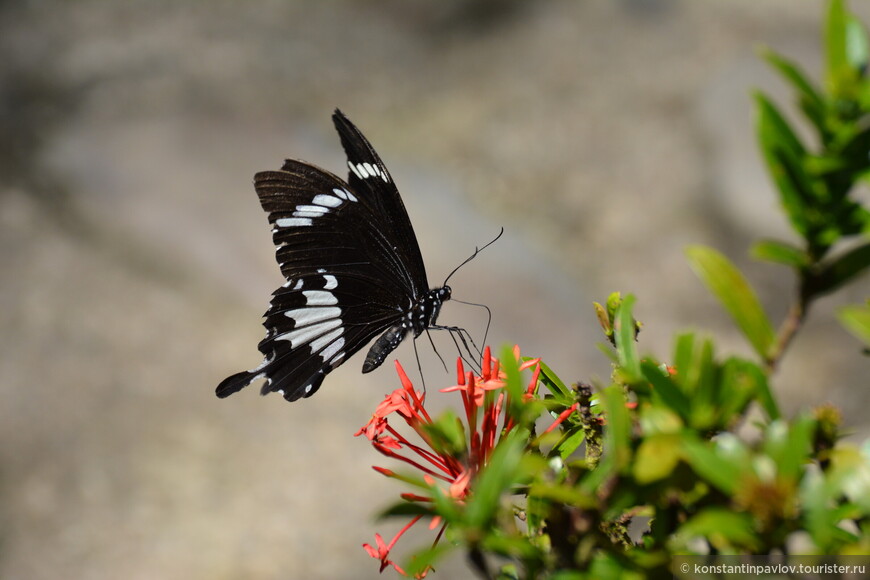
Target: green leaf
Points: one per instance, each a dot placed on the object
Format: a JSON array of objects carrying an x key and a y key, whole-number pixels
[
  {"x": 706, "y": 385},
  {"x": 724, "y": 528},
  {"x": 569, "y": 442},
  {"x": 850, "y": 161},
  {"x": 732, "y": 449},
  {"x": 659, "y": 419},
  {"x": 850, "y": 475},
  {"x": 564, "y": 494},
  {"x": 789, "y": 446},
  {"x": 404, "y": 509},
  {"x": 513, "y": 546},
  {"x": 603, "y": 320},
  {"x": 784, "y": 155},
  {"x": 446, "y": 434},
  {"x": 607, "y": 566},
  {"x": 657, "y": 456},
  {"x": 742, "y": 382},
  {"x": 594, "y": 479},
  {"x": 608, "y": 353},
  {"x": 856, "y": 319},
  {"x": 726, "y": 282},
  {"x": 817, "y": 505},
  {"x": 846, "y": 56},
  {"x": 521, "y": 412},
  {"x": 857, "y": 44},
  {"x": 780, "y": 253},
  {"x": 684, "y": 348},
  {"x": 764, "y": 394},
  {"x": 712, "y": 466},
  {"x": 840, "y": 270},
  {"x": 444, "y": 505},
  {"x": 554, "y": 383},
  {"x": 500, "y": 475},
  {"x": 617, "y": 434},
  {"x": 613, "y": 302},
  {"x": 625, "y": 331},
  {"x": 738, "y": 380},
  {"x": 812, "y": 102},
  {"x": 774, "y": 130},
  {"x": 571, "y": 575},
  {"x": 666, "y": 391},
  {"x": 420, "y": 561},
  {"x": 836, "y": 52}
]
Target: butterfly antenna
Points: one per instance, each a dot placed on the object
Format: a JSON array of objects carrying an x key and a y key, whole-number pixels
[{"x": 474, "y": 255}]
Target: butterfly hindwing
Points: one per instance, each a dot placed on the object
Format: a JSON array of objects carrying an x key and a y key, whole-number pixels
[{"x": 315, "y": 324}]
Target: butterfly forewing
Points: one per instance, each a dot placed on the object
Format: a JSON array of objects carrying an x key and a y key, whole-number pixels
[
  {"x": 352, "y": 264},
  {"x": 367, "y": 173}
]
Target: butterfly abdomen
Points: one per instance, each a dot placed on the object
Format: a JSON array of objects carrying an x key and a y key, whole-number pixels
[{"x": 384, "y": 345}]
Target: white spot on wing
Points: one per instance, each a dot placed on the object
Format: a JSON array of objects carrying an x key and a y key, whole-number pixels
[
  {"x": 307, "y": 214},
  {"x": 340, "y": 193},
  {"x": 298, "y": 284},
  {"x": 354, "y": 169},
  {"x": 301, "y": 336},
  {"x": 319, "y": 298},
  {"x": 294, "y": 221},
  {"x": 306, "y": 316},
  {"x": 333, "y": 348},
  {"x": 361, "y": 169},
  {"x": 331, "y": 282},
  {"x": 262, "y": 365},
  {"x": 326, "y": 200},
  {"x": 315, "y": 208},
  {"x": 369, "y": 169},
  {"x": 326, "y": 339}
]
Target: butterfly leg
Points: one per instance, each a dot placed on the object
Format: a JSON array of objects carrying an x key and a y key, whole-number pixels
[
  {"x": 432, "y": 342},
  {"x": 420, "y": 366},
  {"x": 462, "y": 344}
]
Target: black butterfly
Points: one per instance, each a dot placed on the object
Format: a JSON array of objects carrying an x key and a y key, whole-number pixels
[{"x": 353, "y": 270}]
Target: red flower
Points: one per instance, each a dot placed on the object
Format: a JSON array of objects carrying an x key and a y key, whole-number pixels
[
  {"x": 382, "y": 552},
  {"x": 484, "y": 399}
]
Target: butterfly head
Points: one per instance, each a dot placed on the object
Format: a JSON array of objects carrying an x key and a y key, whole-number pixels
[{"x": 425, "y": 312}]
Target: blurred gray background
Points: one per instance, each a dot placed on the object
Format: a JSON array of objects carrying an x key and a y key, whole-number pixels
[{"x": 136, "y": 262}]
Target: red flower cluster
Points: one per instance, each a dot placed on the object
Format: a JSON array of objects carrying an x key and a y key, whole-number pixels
[{"x": 484, "y": 399}]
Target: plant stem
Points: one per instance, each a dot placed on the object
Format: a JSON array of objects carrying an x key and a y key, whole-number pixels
[{"x": 788, "y": 329}]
